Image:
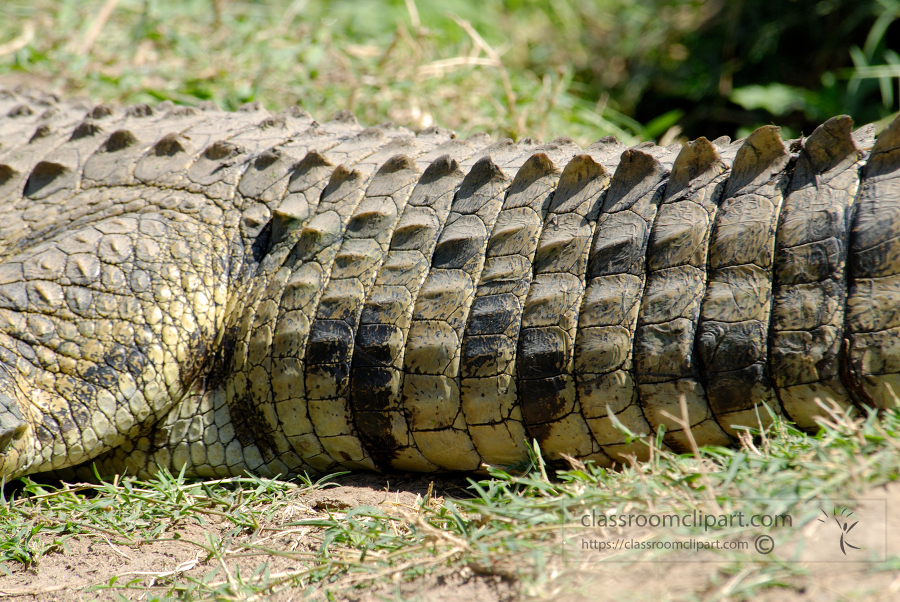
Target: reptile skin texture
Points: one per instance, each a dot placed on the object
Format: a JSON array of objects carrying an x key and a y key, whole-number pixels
[{"x": 248, "y": 291}]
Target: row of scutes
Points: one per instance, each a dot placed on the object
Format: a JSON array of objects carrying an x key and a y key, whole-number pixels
[{"x": 426, "y": 303}]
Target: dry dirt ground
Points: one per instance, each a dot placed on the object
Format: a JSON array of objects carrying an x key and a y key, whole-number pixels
[
  {"x": 65, "y": 576},
  {"x": 824, "y": 574}
]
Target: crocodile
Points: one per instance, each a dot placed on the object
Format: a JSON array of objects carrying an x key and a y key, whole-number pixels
[{"x": 254, "y": 292}]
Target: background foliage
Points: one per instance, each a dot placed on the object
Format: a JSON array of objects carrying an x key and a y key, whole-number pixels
[{"x": 634, "y": 68}]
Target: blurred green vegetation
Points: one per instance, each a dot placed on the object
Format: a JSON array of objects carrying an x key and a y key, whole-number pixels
[{"x": 639, "y": 69}]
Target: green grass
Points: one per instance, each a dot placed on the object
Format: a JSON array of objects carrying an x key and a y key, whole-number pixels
[
  {"x": 381, "y": 60},
  {"x": 540, "y": 68},
  {"x": 510, "y": 525}
]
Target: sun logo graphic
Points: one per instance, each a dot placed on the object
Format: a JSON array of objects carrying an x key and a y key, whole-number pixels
[{"x": 842, "y": 520}]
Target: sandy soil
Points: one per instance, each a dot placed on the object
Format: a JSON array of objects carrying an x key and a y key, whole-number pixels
[
  {"x": 809, "y": 565},
  {"x": 824, "y": 573}
]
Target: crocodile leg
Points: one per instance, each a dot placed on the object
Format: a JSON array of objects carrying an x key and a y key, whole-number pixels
[{"x": 12, "y": 422}]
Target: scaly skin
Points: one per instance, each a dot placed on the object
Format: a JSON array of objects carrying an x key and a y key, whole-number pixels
[{"x": 256, "y": 292}]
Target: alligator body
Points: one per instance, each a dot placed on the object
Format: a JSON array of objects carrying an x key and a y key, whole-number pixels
[{"x": 248, "y": 291}]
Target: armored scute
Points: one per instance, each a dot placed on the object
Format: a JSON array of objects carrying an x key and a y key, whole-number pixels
[{"x": 232, "y": 292}]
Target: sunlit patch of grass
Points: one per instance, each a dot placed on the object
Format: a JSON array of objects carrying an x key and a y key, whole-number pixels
[
  {"x": 381, "y": 61},
  {"x": 513, "y": 525}
]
